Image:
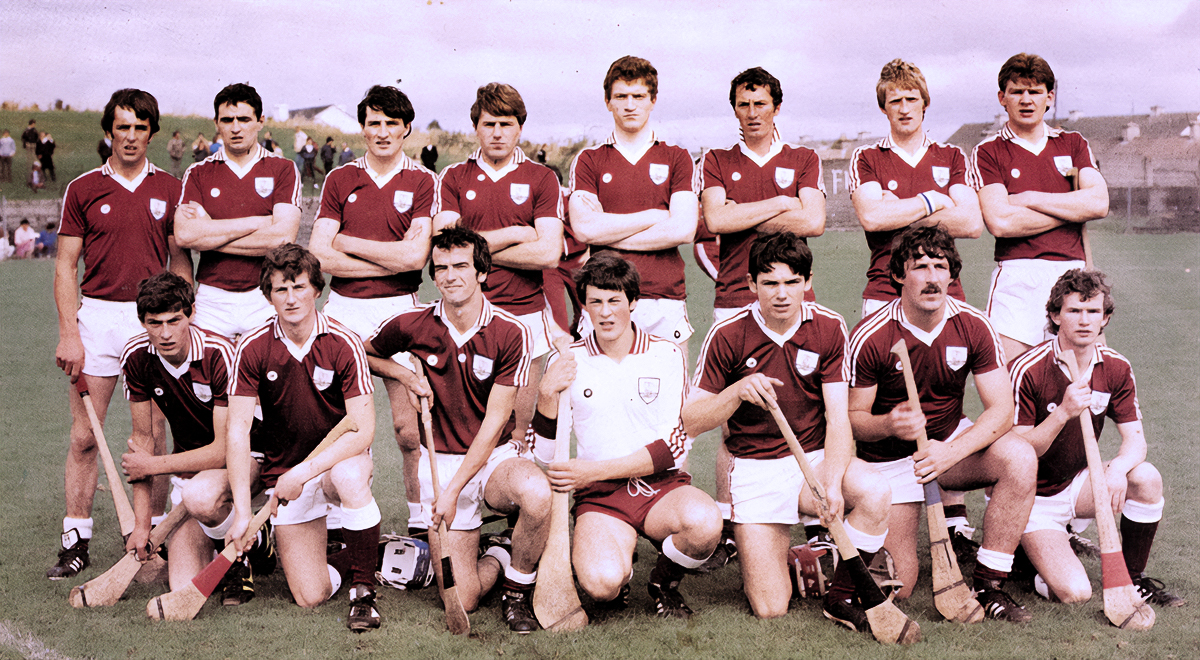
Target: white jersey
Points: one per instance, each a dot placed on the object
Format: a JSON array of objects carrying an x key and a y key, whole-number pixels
[{"x": 621, "y": 407}]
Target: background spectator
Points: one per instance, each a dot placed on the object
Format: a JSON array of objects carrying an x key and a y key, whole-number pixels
[
  {"x": 308, "y": 159},
  {"x": 429, "y": 155},
  {"x": 29, "y": 140},
  {"x": 200, "y": 148},
  {"x": 8, "y": 149},
  {"x": 36, "y": 179},
  {"x": 175, "y": 151},
  {"x": 328, "y": 154},
  {"x": 47, "y": 241},
  {"x": 347, "y": 155},
  {"x": 24, "y": 239},
  {"x": 104, "y": 149},
  {"x": 45, "y": 154}
]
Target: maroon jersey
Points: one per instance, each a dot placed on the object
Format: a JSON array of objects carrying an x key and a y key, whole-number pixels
[
  {"x": 381, "y": 211},
  {"x": 302, "y": 396},
  {"x": 940, "y": 167},
  {"x": 814, "y": 354},
  {"x": 228, "y": 193},
  {"x": 462, "y": 369},
  {"x": 747, "y": 177},
  {"x": 524, "y": 192},
  {"x": 125, "y": 230},
  {"x": 1039, "y": 382},
  {"x": 625, "y": 187},
  {"x": 187, "y": 394},
  {"x": 964, "y": 344},
  {"x": 999, "y": 159}
]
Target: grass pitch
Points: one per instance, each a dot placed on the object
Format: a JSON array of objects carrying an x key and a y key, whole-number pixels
[{"x": 1158, "y": 312}]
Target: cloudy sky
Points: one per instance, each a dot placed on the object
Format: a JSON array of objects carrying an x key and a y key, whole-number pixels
[{"x": 1110, "y": 57}]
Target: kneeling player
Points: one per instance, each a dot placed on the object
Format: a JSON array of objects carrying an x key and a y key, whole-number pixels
[
  {"x": 307, "y": 372},
  {"x": 476, "y": 357},
  {"x": 1048, "y": 405},
  {"x": 627, "y": 389},
  {"x": 947, "y": 340},
  {"x": 792, "y": 351},
  {"x": 185, "y": 370}
]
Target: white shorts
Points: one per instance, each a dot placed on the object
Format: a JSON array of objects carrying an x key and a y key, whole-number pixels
[
  {"x": 105, "y": 327},
  {"x": 539, "y": 331},
  {"x": 231, "y": 313},
  {"x": 468, "y": 514},
  {"x": 722, "y": 313},
  {"x": 902, "y": 476},
  {"x": 767, "y": 491},
  {"x": 666, "y": 319},
  {"x": 1017, "y": 297},
  {"x": 364, "y": 316},
  {"x": 312, "y": 504},
  {"x": 869, "y": 306},
  {"x": 1056, "y": 511}
]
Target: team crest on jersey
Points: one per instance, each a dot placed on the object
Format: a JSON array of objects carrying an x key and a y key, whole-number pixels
[
  {"x": 203, "y": 391},
  {"x": 941, "y": 176},
  {"x": 264, "y": 185},
  {"x": 1099, "y": 402},
  {"x": 659, "y": 173},
  {"x": 158, "y": 208},
  {"x": 322, "y": 378},
  {"x": 519, "y": 192},
  {"x": 956, "y": 357},
  {"x": 482, "y": 367},
  {"x": 402, "y": 200},
  {"x": 1062, "y": 164},
  {"x": 806, "y": 362},
  {"x": 784, "y": 176},
  {"x": 648, "y": 389}
]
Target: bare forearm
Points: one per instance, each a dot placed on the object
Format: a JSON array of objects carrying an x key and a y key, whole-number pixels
[
  {"x": 208, "y": 234},
  {"x": 733, "y": 217},
  {"x": 705, "y": 411},
  {"x": 600, "y": 228},
  {"x": 394, "y": 256},
  {"x": 806, "y": 222},
  {"x": 1077, "y": 206}
]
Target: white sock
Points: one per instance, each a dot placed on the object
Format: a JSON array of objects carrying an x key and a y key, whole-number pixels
[
  {"x": 81, "y": 525},
  {"x": 364, "y": 517},
  {"x": 416, "y": 516},
  {"x": 997, "y": 561},
  {"x": 1140, "y": 512},
  {"x": 500, "y": 555},
  {"x": 862, "y": 540},
  {"x": 513, "y": 574},
  {"x": 218, "y": 532},
  {"x": 674, "y": 554},
  {"x": 333, "y": 519}
]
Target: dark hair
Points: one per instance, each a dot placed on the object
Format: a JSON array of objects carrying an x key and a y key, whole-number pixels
[
  {"x": 1026, "y": 66},
  {"x": 143, "y": 105},
  {"x": 456, "y": 236},
  {"x": 1087, "y": 283},
  {"x": 780, "y": 248},
  {"x": 631, "y": 69},
  {"x": 608, "y": 272},
  {"x": 388, "y": 100},
  {"x": 753, "y": 79},
  {"x": 901, "y": 75},
  {"x": 930, "y": 241},
  {"x": 498, "y": 100},
  {"x": 162, "y": 293},
  {"x": 290, "y": 261},
  {"x": 235, "y": 94}
]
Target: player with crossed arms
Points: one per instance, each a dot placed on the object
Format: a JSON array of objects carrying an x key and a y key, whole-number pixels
[{"x": 627, "y": 389}]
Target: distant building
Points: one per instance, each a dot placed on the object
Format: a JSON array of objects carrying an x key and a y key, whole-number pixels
[
  {"x": 327, "y": 115},
  {"x": 1151, "y": 162}
]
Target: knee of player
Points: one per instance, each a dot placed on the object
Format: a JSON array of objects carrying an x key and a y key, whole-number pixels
[
  {"x": 408, "y": 436},
  {"x": 1018, "y": 460},
  {"x": 768, "y": 610},
  {"x": 1145, "y": 483},
  {"x": 310, "y": 597},
  {"x": 602, "y": 582},
  {"x": 82, "y": 439},
  {"x": 701, "y": 521},
  {"x": 1075, "y": 591},
  {"x": 533, "y": 494},
  {"x": 354, "y": 472},
  {"x": 203, "y": 499},
  {"x": 876, "y": 497}
]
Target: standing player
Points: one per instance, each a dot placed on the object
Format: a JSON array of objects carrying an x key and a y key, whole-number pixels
[
  {"x": 237, "y": 204},
  {"x": 476, "y": 357},
  {"x": 636, "y": 195},
  {"x": 786, "y": 349},
  {"x": 515, "y": 204},
  {"x": 185, "y": 372},
  {"x": 1037, "y": 187},
  {"x": 118, "y": 218},
  {"x": 757, "y": 186},
  {"x": 947, "y": 340},
  {"x": 627, "y": 390},
  {"x": 907, "y": 179},
  {"x": 1048, "y": 406},
  {"x": 307, "y": 372},
  {"x": 372, "y": 235}
]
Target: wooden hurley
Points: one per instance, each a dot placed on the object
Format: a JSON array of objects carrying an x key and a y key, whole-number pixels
[
  {"x": 107, "y": 588},
  {"x": 555, "y": 600},
  {"x": 888, "y": 624},
  {"x": 951, "y": 595},
  {"x": 120, "y": 498}
]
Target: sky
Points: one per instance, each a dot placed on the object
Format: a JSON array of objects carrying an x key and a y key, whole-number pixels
[{"x": 1111, "y": 58}]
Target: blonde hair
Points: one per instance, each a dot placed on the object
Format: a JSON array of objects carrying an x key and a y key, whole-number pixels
[{"x": 899, "y": 74}]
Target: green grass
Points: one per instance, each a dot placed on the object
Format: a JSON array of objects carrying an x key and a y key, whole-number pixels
[{"x": 1158, "y": 311}]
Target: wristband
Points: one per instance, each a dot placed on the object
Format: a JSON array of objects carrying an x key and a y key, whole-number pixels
[{"x": 928, "y": 204}]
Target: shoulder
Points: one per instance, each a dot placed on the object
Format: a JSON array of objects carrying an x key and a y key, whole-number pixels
[
  {"x": 135, "y": 348},
  {"x": 1115, "y": 361},
  {"x": 1026, "y": 363}
]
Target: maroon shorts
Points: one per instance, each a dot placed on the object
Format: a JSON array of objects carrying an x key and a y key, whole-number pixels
[{"x": 625, "y": 501}]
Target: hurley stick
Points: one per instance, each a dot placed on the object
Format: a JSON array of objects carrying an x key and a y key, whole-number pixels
[
  {"x": 107, "y": 588},
  {"x": 1123, "y": 606},
  {"x": 888, "y": 624},
  {"x": 951, "y": 596},
  {"x": 120, "y": 498},
  {"x": 456, "y": 614},
  {"x": 184, "y": 604},
  {"x": 555, "y": 600}
]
